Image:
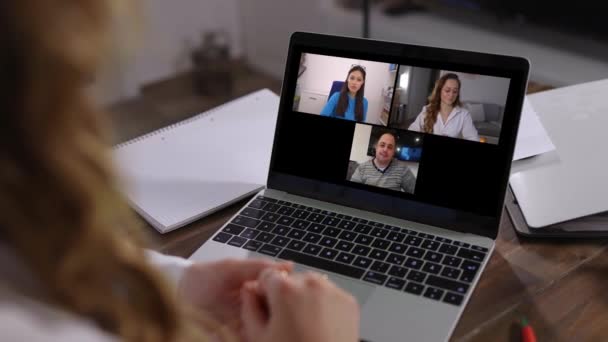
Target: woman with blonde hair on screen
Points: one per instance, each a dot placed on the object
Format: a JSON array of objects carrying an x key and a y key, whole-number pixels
[
  {"x": 71, "y": 257},
  {"x": 444, "y": 114}
]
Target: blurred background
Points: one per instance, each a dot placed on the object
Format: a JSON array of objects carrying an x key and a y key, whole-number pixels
[{"x": 192, "y": 55}]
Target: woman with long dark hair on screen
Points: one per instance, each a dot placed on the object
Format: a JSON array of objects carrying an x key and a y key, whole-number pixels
[
  {"x": 72, "y": 260},
  {"x": 349, "y": 103},
  {"x": 444, "y": 114}
]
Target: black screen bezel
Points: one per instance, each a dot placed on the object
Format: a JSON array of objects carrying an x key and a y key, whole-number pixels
[{"x": 514, "y": 68}]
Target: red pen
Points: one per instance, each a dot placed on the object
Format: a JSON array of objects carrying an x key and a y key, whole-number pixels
[{"x": 527, "y": 333}]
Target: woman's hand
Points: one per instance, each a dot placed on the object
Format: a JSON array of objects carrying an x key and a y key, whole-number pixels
[
  {"x": 215, "y": 288},
  {"x": 297, "y": 308}
]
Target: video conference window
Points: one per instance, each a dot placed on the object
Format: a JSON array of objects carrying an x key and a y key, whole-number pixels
[
  {"x": 454, "y": 104},
  {"x": 345, "y": 88},
  {"x": 385, "y": 158}
]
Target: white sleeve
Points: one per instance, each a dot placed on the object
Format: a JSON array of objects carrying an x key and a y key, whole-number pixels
[
  {"x": 24, "y": 319},
  {"x": 419, "y": 122},
  {"x": 469, "y": 131},
  {"x": 171, "y": 266}
]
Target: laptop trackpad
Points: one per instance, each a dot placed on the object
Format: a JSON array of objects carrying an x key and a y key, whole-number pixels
[{"x": 359, "y": 290}]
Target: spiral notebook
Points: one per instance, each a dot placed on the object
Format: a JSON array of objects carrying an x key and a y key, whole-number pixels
[{"x": 191, "y": 169}]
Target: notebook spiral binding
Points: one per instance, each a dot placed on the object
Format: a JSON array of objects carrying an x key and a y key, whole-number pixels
[{"x": 179, "y": 123}]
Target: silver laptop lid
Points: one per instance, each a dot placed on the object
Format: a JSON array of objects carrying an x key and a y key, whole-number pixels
[{"x": 569, "y": 182}]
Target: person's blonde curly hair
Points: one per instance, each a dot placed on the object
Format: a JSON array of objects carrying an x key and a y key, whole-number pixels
[
  {"x": 61, "y": 211},
  {"x": 434, "y": 101}
]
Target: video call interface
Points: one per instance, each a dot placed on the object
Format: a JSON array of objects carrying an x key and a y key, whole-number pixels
[{"x": 417, "y": 132}]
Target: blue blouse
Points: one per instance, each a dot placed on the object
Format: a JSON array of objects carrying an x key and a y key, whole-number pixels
[{"x": 330, "y": 108}]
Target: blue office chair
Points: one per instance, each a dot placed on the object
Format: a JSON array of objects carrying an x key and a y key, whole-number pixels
[{"x": 335, "y": 87}]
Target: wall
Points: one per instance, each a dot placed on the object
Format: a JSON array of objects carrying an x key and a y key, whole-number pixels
[
  {"x": 557, "y": 65},
  {"x": 268, "y": 25},
  {"x": 169, "y": 30},
  {"x": 486, "y": 89},
  {"x": 321, "y": 71},
  {"x": 360, "y": 143},
  {"x": 418, "y": 91},
  {"x": 109, "y": 85}
]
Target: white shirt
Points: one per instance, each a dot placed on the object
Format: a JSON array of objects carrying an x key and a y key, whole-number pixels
[
  {"x": 23, "y": 318},
  {"x": 458, "y": 125}
]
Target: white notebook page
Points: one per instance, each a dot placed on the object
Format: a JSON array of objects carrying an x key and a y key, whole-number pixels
[{"x": 190, "y": 169}]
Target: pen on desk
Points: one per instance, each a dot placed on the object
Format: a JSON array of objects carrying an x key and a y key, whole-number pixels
[{"x": 527, "y": 333}]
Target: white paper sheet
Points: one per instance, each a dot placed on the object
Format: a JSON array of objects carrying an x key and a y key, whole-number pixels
[
  {"x": 180, "y": 173},
  {"x": 532, "y": 138}
]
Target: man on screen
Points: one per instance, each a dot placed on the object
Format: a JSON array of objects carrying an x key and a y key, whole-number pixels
[{"x": 384, "y": 171}]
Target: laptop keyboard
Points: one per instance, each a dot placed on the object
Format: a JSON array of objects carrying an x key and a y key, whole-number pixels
[{"x": 395, "y": 257}]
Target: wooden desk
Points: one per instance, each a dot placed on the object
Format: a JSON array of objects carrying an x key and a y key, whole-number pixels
[{"x": 561, "y": 286}]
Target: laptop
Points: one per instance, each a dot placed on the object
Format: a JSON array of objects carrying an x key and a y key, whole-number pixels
[
  {"x": 569, "y": 182},
  {"x": 403, "y": 219}
]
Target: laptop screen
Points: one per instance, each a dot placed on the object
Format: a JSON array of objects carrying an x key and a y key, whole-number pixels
[{"x": 425, "y": 136}]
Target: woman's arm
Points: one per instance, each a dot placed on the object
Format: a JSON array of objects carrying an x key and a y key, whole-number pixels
[
  {"x": 26, "y": 318},
  {"x": 172, "y": 267},
  {"x": 469, "y": 131},
  {"x": 417, "y": 124},
  {"x": 365, "y": 105},
  {"x": 330, "y": 106}
]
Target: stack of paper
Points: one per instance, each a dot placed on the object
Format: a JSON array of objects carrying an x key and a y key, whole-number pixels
[{"x": 180, "y": 173}]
